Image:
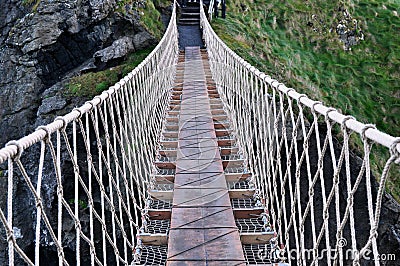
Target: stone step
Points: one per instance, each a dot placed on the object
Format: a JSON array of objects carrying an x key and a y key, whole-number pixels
[
  {"x": 190, "y": 13},
  {"x": 189, "y": 23}
]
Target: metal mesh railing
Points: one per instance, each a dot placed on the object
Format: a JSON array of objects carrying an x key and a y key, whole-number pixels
[
  {"x": 322, "y": 197},
  {"x": 81, "y": 181}
]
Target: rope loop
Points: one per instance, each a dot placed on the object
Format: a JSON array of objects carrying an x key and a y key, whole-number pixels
[
  {"x": 330, "y": 109},
  {"x": 62, "y": 119},
  {"x": 10, "y": 236},
  {"x": 279, "y": 84},
  {"x": 347, "y": 118},
  {"x": 98, "y": 97},
  {"x": 299, "y": 99},
  {"x": 106, "y": 93},
  {"x": 60, "y": 252},
  {"x": 48, "y": 133},
  {"x": 364, "y": 129},
  {"x": 80, "y": 113},
  {"x": 344, "y": 126},
  {"x": 275, "y": 86},
  {"x": 60, "y": 191},
  {"x": 313, "y": 106},
  {"x": 394, "y": 151},
  {"x": 91, "y": 105},
  {"x": 289, "y": 90},
  {"x": 78, "y": 226},
  {"x": 19, "y": 149},
  {"x": 39, "y": 204}
]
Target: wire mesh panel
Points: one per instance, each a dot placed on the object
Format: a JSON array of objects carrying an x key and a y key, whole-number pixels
[
  {"x": 252, "y": 225},
  {"x": 258, "y": 254},
  {"x": 168, "y": 171},
  {"x": 156, "y": 226},
  {"x": 159, "y": 204},
  {"x": 245, "y": 184},
  {"x": 163, "y": 186},
  {"x": 151, "y": 255},
  {"x": 246, "y": 203}
]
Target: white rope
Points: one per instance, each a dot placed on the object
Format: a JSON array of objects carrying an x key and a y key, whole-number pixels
[
  {"x": 275, "y": 127},
  {"x": 39, "y": 211},
  {"x": 10, "y": 191},
  {"x": 303, "y": 165},
  {"x": 110, "y": 142}
]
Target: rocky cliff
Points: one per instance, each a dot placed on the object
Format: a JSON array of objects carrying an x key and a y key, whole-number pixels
[
  {"x": 42, "y": 45},
  {"x": 45, "y": 42}
]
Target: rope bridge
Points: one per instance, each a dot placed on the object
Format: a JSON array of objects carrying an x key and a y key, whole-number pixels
[{"x": 100, "y": 161}]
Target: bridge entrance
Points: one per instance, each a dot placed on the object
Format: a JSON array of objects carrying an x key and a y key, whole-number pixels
[{"x": 195, "y": 158}]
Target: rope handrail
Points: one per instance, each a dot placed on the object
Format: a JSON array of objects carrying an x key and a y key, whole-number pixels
[
  {"x": 98, "y": 160},
  {"x": 96, "y": 163},
  {"x": 11, "y": 149},
  {"x": 306, "y": 173},
  {"x": 372, "y": 133}
]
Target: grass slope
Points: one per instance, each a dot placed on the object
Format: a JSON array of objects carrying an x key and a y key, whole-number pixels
[
  {"x": 295, "y": 41},
  {"x": 94, "y": 83}
]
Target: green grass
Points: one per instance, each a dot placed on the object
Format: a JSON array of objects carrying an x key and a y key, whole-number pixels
[
  {"x": 94, "y": 83},
  {"x": 150, "y": 19},
  {"x": 149, "y": 16},
  {"x": 364, "y": 82}
]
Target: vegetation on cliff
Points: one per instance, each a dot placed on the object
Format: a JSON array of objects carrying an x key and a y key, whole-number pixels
[
  {"x": 94, "y": 83},
  {"x": 344, "y": 53}
]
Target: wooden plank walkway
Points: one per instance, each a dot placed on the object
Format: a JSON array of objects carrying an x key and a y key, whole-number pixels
[{"x": 203, "y": 230}]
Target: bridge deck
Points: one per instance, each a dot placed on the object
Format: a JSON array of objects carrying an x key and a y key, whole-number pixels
[{"x": 203, "y": 230}]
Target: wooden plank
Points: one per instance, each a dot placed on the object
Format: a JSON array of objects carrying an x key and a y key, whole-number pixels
[
  {"x": 161, "y": 194},
  {"x": 256, "y": 238},
  {"x": 232, "y": 177},
  {"x": 241, "y": 193},
  {"x": 247, "y": 213},
  {"x": 153, "y": 239},
  {"x": 159, "y": 214},
  {"x": 202, "y": 229}
]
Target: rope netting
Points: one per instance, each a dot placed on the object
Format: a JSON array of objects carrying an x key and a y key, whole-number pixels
[
  {"x": 97, "y": 161},
  {"x": 321, "y": 174}
]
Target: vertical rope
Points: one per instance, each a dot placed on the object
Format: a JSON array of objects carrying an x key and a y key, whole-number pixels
[
  {"x": 283, "y": 163},
  {"x": 10, "y": 211},
  {"x": 39, "y": 210},
  {"x": 59, "y": 193},
  {"x": 76, "y": 192}
]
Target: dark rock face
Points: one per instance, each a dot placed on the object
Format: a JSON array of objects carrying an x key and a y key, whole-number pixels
[
  {"x": 388, "y": 240},
  {"x": 38, "y": 48},
  {"x": 11, "y": 11},
  {"x": 39, "y": 51},
  {"x": 117, "y": 50}
]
